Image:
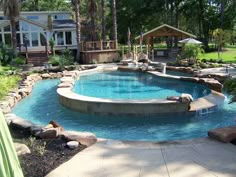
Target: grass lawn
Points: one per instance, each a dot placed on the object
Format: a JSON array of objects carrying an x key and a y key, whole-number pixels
[{"x": 229, "y": 55}]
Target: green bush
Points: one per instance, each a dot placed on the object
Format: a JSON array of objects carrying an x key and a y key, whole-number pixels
[
  {"x": 54, "y": 60},
  {"x": 7, "y": 83},
  {"x": 66, "y": 58},
  {"x": 20, "y": 60}
]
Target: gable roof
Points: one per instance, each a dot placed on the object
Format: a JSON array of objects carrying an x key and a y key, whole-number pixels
[
  {"x": 158, "y": 31},
  {"x": 33, "y": 22}
]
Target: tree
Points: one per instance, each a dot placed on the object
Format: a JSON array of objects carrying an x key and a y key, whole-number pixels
[
  {"x": 114, "y": 21},
  {"x": 103, "y": 4},
  {"x": 93, "y": 10},
  {"x": 11, "y": 9},
  {"x": 76, "y": 5},
  {"x": 219, "y": 36},
  {"x": 45, "y": 5}
]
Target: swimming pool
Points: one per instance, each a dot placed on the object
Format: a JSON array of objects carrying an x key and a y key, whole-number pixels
[
  {"x": 42, "y": 106},
  {"x": 135, "y": 85}
]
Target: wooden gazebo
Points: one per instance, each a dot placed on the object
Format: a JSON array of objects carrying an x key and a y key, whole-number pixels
[{"x": 167, "y": 31}]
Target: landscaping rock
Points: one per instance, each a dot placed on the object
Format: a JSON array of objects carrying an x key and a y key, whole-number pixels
[
  {"x": 212, "y": 84},
  {"x": 50, "y": 133},
  {"x": 186, "y": 98},
  {"x": 48, "y": 126},
  {"x": 21, "y": 149},
  {"x": 21, "y": 123},
  {"x": 35, "y": 129},
  {"x": 46, "y": 76},
  {"x": 225, "y": 134},
  {"x": 67, "y": 79},
  {"x": 85, "y": 138},
  {"x": 56, "y": 125},
  {"x": 5, "y": 107},
  {"x": 72, "y": 144},
  {"x": 65, "y": 85}
]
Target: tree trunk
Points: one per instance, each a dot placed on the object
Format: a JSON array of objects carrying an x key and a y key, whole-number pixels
[
  {"x": 77, "y": 18},
  {"x": 13, "y": 33},
  {"x": 114, "y": 22},
  {"x": 103, "y": 20},
  {"x": 222, "y": 10}
]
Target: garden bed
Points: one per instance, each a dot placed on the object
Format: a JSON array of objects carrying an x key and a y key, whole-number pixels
[{"x": 45, "y": 155}]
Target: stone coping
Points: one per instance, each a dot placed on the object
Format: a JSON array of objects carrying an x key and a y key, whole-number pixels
[{"x": 95, "y": 105}]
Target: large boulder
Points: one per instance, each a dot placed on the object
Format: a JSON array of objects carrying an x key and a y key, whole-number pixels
[
  {"x": 212, "y": 84},
  {"x": 85, "y": 138},
  {"x": 225, "y": 134},
  {"x": 56, "y": 125},
  {"x": 21, "y": 149},
  {"x": 18, "y": 122},
  {"x": 50, "y": 133}
]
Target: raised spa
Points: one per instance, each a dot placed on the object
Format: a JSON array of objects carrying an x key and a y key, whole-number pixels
[{"x": 120, "y": 92}]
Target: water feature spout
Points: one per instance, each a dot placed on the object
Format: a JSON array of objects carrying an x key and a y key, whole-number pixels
[{"x": 164, "y": 68}]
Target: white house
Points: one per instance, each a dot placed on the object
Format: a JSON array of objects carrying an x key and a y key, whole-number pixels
[{"x": 35, "y": 29}]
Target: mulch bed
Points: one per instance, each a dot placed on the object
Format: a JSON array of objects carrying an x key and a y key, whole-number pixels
[{"x": 44, "y": 157}]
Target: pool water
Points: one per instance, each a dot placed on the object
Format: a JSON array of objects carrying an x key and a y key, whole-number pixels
[
  {"x": 42, "y": 106},
  {"x": 135, "y": 85}
]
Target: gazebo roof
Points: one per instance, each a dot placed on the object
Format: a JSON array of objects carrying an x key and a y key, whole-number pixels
[{"x": 166, "y": 30}]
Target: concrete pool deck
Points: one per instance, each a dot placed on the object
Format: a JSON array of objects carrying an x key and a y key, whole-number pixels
[{"x": 202, "y": 157}]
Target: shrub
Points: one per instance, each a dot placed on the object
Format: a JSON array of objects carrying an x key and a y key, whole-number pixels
[
  {"x": 54, "y": 60},
  {"x": 20, "y": 60},
  {"x": 203, "y": 65},
  {"x": 192, "y": 52},
  {"x": 66, "y": 58}
]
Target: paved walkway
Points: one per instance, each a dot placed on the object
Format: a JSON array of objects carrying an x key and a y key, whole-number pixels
[{"x": 190, "y": 158}]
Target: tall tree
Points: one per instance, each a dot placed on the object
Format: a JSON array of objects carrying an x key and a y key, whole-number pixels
[
  {"x": 93, "y": 10},
  {"x": 103, "y": 4},
  {"x": 114, "y": 21},
  {"x": 76, "y": 6},
  {"x": 11, "y": 9}
]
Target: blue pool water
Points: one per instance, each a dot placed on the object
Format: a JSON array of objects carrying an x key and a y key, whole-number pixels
[
  {"x": 135, "y": 85},
  {"x": 42, "y": 106}
]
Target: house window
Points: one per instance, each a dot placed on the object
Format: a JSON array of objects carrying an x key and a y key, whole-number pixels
[
  {"x": 7, "y": 28},
  {"x": 43, "y": 40},
  {"x": 3, "y": 18},
  {"x": 60, "y": 40},
  {"x": 26, "y": 39},
  {"x": 17, "y": 26},
  {"x": 24, "y": 26},
  {"x": 34, "y": 38},
  {"x": 7, "y": 39},
  {"x": 18, "y": 38},
  {"x": 68, "y": 38},
  {"x": 34, "y": 28}
]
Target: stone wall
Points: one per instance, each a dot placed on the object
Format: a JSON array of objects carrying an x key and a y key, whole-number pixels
[{"x": 24, "y": 89}]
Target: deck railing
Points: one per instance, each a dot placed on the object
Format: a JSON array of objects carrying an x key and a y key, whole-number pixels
[{"x": 98, "y": 45}]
